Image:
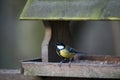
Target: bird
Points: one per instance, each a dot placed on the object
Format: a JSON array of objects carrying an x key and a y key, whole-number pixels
[{"x": 66, "y": 52}]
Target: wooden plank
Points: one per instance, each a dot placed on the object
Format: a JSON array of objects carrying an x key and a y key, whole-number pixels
[
  {"x": 88, "y": 70},
  {"x": 45, "y": 42},
  {"x": 9, "y": 71},
  {"x": 14, "y": 74},
  {"x": 71, "y": 9}
]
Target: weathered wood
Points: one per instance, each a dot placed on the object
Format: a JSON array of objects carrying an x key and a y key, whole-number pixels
[
  {"x": 45, "y": 42},
  {"x": 60, "y": 33},
  {"x": 55, "y": 31},
  {"x": 76, "y": 70},
  {"x": 71, "y": 9},
  {"x": 9, "y": 71},
  {"x": 14, "y": 74},
  {"x": 74, "y": 78},
  {"x": 109, "y": 59}
]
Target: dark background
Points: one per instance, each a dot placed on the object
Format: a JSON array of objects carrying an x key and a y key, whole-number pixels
[{"x": 19, "y": 40}]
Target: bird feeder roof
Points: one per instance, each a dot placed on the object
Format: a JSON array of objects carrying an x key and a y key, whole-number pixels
[{"x": 71, "y": 10}]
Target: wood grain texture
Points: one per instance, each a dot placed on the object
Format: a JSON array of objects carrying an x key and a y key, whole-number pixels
[
  {"x": 45, "y": 43},
  {"x": 14, "y": 74},
  {"x": 56, "y": 31},
  {"x": 76, "y": 70},
  {"x": 71, "y": 9}
]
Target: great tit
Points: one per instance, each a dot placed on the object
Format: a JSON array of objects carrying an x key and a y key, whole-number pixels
[{"x": 66, "y": 52}]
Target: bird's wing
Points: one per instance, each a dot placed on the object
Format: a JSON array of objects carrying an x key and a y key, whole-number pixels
[{"x": 72, "y": 50}]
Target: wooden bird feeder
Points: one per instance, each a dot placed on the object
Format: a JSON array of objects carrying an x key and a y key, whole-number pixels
[{"x": 56, "y": 16}]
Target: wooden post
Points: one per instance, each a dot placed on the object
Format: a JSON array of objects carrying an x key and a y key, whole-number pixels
[
  {"x": 56, "y": 31},
  {"x": 45, "y": 42}
]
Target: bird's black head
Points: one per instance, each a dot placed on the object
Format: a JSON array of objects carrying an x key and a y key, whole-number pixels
[{"x": 60, "y": 45}]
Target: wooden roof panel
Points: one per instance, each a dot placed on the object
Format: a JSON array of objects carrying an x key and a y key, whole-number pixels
[{"x": 71, "y": 9}]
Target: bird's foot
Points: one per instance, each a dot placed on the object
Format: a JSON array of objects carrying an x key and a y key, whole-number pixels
[
  {"x": 69, "y": 64},
  {"x": 60, "y": 64}
]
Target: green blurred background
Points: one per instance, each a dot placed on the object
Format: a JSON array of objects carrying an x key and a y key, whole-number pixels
[{"x": 21, "y": 40}]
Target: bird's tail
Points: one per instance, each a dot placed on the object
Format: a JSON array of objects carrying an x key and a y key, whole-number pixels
[{"x": 81, "y": 53}]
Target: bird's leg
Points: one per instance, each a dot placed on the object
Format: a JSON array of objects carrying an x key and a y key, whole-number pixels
[
  {"x": 70, "y": 61},
  {"x": 61, "y": 62}
]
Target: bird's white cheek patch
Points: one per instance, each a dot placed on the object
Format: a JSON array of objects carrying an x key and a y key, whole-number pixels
[{"x": 60, "y": 47}]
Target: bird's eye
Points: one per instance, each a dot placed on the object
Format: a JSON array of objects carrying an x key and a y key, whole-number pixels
[{"x": 60, "y": 47}]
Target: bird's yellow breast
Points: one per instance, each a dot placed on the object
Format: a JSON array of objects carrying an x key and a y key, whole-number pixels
[{"x": 66, "y": 54}]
